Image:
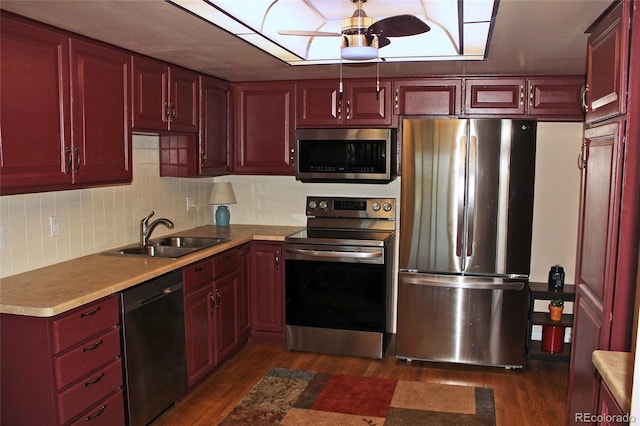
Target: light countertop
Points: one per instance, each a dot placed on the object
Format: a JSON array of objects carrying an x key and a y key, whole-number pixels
[
  {"x": 58, "y": 288},
  {"x": 616, "y": 370}
]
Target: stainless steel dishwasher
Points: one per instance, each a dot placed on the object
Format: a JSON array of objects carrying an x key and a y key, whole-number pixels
[{"x": 154, "y": 347}]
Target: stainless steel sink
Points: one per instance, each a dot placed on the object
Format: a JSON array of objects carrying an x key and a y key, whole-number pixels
[
  {"x": 168, "y": 247},
  {"x": 189, "y": 242}
]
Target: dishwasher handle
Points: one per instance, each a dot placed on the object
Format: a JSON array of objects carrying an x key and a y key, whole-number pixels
[
  {"x": 167, "y": 291},
  {"x": 470, "y": 283}
]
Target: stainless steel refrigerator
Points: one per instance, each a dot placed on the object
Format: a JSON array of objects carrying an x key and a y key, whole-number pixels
[{"x": 465, "y": 240}]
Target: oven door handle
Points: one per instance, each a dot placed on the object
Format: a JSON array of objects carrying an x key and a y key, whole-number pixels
[{"x": 336, "y": 254}]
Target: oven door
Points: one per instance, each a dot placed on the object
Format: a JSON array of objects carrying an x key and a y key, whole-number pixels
[{"x": 336, "y": 287}]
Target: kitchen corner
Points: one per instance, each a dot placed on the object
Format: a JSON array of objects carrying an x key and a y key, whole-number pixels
[{"x": 58, "y": 288}]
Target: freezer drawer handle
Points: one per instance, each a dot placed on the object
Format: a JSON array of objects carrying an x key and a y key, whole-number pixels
[{"x": 477, "y": 285}]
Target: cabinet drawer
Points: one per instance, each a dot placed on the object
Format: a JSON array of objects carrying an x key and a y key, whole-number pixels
[
  {"x": 84, "y": 322},
  {"x": 87, "y": 357},
  {"x": 89, "y": 391},
  {"x": 108, "y": 413},
  {"x": 197, "y": 274},
  {"x": 225, "y": 263}
]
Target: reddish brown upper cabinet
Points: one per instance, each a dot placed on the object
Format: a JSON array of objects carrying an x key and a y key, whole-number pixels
[
  {"x": 62, "y": 84},
  {"x": 427, "y": 96},
  {"x": 267, "y": 293},
  {"x": 35, "y": 89},
  {"x": 165, "y": 98},
  {"x": 215, "y": 144},
  {"x": 558, "y": 98},
  {"x": 495, "y": 96},
  {"x": 363, "y": 103},
  {"x": 100, "y": 93},
  {"x": 607, "y": 64},
  {"x": 264, "y": 128}
]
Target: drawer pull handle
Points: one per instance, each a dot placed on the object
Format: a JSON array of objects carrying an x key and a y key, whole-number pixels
[
  {"x": 93, "y": 416},
  {"x": 93, "y": 347},
  {"x": 91, "y": 312},
  {"x": 199, "y": 268},
  {"x": 94, "y": 381}
]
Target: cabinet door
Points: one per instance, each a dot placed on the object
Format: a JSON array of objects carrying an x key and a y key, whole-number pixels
[
  {"x": 215, "y": 152},
  {"x": 586, "y": 336},
  {"x": 428, "y": 96},
  {"x": 319, "y": 104},
  {"x": 244, "y": 324},
  {"x": 267, "y": 293},
  {"x": 100, "y": 114},
  {"x": 199, "y": 333},
  {"x": 150, "y": 96},
  {"x": 503, "y": 96},
  {"x": 609, "y": 409},
  {"x": 35, "y": 141},
  {"x": 183, "y": 100},
  {"x": 368, "y": 103},
  {"x": 559, "y": 98},
  {"x": 264, "y": 128},
  {"x": 226, "y": 316},
  {"x": 607, "y": 61}
]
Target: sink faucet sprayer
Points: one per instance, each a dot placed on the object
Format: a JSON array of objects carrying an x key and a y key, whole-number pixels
[{"x": 146, "y": 229}]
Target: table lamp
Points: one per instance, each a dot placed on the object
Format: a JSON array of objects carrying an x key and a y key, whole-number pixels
[{"x": 222, "y": 193}]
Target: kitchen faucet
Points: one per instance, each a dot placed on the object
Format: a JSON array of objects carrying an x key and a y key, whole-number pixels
[{"x": 146, "y": 229}]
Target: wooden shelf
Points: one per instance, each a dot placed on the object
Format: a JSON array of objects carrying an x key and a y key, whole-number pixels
[{"x": 540, "y": 291}]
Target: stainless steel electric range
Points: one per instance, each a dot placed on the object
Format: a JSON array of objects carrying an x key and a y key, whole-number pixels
[{"x": 339, "y": 276}]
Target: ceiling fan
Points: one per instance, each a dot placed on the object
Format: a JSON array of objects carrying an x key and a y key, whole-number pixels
[{"x": 362, "y": 35}]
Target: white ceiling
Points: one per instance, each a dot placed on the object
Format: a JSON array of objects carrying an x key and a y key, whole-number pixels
[{"x": 530, "y": 37}]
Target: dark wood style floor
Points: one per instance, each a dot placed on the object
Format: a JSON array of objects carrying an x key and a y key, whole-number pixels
[{"x": 534, "y": 397}]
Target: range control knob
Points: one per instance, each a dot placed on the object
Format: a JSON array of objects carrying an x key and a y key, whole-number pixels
[
  {"x": 375, "y": 206},
  {"x": 387, "y": 207},
  {"x": 312, "y": 205},
  {"x": 323, "y": 205}
]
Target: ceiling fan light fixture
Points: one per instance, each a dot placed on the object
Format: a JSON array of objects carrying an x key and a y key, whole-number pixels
[{"x": 359, "y": 53}]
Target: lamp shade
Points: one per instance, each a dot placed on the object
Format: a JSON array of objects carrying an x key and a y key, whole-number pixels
[{"x": 222, "y": 193}]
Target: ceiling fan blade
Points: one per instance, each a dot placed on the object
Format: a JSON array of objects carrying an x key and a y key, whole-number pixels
[
  {"x": 383, "y": 41},
  {"x": 309, "y": 33},
  {"x": 399, "y": 26}
]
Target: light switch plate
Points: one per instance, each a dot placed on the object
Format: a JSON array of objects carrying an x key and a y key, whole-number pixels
[{"x": 54, "y": 226}]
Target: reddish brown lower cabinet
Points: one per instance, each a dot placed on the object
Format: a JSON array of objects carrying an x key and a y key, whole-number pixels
[
  {"x": 244, "y": 319},
  {"x": 267, "y": 293},
  {"x": 212, "y": 306},
  {"x": 63, "y": 369},
  {"x": 609, "y": 411}
]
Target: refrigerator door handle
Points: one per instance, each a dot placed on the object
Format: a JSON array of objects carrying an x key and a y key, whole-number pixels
[
  {"x": 462, "y": 147},
  {"x": 471, "y": 212},
  {"x": 463, "y": 283}
]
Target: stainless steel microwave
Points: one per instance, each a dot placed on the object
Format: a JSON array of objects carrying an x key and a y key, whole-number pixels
[{"x": 345, "y": 155}]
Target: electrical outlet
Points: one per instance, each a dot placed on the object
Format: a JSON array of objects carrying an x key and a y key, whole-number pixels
[
  {"x": 54, "y": 226},
  {"x": 2, "y": 243},
  {"x": 189, "y": 203}
]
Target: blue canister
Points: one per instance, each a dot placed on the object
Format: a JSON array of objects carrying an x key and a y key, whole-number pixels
[{"x": 556, "y": 278}]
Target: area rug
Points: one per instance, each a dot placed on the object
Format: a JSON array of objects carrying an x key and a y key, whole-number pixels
[{"x": 298, "y": 397}]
